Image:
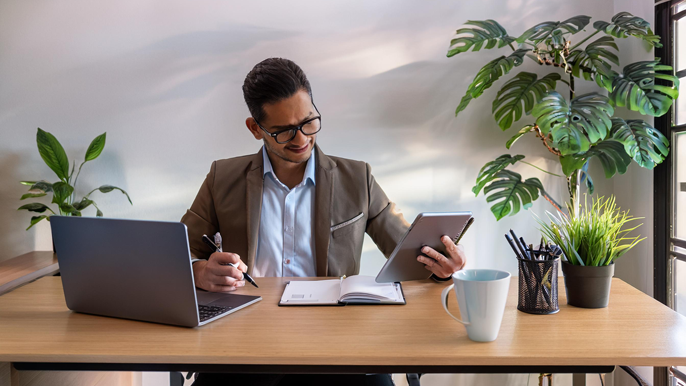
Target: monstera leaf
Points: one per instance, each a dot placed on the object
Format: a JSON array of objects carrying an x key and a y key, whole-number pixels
[
  {"x": 524, "y": 89},
  {"x": 487, "y": 32},
  {"x": 488, "y": 172},
  {"x": 642, "y": 142},
  {"x": 593, "y": 62},
  {"x": 635, "y": 88},
  {"x": 519, "y": 134},
  {"x": 489, "y": 73},
  {"x": 610, "y": 153},
  {"x": 509, "y": 193},
  {"x": 574, "y": 127},
  {"x": 541, "y": 32},
  {"x": 625, "y": 24}
]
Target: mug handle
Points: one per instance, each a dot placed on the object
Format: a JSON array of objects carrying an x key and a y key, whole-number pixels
[{"x": 444, "y": 300}]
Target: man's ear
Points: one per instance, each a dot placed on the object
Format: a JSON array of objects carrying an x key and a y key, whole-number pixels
[{"x": 254, "y": 128}]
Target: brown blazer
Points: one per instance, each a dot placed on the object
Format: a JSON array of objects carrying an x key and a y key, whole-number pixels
[{"x": 348, "y": 203}]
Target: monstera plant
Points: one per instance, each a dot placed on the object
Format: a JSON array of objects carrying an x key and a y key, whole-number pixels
[
  {"x": 578, "y": 129},
  {"x": 63, "y": 193}
]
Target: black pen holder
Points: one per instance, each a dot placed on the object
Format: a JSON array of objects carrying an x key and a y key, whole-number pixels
[{"x": 538, "y": 286}]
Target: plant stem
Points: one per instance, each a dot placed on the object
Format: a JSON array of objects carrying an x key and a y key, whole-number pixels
[
  {"x": 571, "y": 87},
  {"x": 544, "y": 171},
  {"x": 574, "y": 188},
  {"x": 582, "y": 42}
]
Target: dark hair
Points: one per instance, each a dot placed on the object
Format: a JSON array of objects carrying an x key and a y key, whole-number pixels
[{"x": 270, "y": 81}]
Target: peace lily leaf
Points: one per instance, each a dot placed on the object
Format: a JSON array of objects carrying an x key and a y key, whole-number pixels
[
  {"x": 35, "y": 207},
  {"x": 109, "y": 188},
  {"x": 574, "y": 127},
  {"x": 594, "y": 62},
  {"x": 645, "y": 144},
  {"x": 625, "y": 24},
  {"x": 53, "y": 154},
  {"x": 61, "y": 191},
  {"x": 27, "y": 182},
  {"x": 36, "y": 219},
  {"x": 635, "y": 88},
  {"x": 487, "y": 32},
  {"x": 95, "y": 148},
  {"x": 524, "y": 89},
  {"x": 545, "y": 30},
  {"x": 489, "y": 171},
  {"x": 610, "y": 153},
  {"x": 68, "y": 208},
  {"x": 520, "y": 133},
  {"x": 509, "y": 193},
  {"x": 43, "y": 186},
  {"x": 33, "y": 195},
  {"x": 490, "y": 73},
  {"x": 83, "y": 204}
]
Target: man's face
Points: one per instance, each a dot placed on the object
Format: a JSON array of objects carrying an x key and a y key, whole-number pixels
[{"x": 285, "y": 114}]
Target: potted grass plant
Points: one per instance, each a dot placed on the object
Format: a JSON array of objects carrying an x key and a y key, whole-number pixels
[{"x": 591, "y": 242}]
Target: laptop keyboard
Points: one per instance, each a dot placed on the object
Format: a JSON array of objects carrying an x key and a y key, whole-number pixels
[{"x": 209, "y": 312}]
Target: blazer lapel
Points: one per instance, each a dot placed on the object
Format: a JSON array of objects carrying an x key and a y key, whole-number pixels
[
  {"x": 254, "y": 207},
  {"x": 323, "y": 197}
]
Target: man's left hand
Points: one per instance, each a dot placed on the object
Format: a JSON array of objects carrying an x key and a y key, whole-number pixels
[{"x": 441, "y": 265}]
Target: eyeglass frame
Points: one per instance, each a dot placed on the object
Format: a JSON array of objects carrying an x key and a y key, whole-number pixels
[{"x": 296, "y": 128}]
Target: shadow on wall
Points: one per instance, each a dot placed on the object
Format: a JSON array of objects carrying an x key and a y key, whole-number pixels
[{"x": 14, "y": 239}]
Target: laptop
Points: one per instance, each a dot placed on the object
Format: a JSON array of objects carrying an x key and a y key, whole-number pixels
[{"x": 135, "y": 269}]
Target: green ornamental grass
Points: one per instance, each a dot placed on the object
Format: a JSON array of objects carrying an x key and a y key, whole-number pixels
[{"x": 596, "y": 237}]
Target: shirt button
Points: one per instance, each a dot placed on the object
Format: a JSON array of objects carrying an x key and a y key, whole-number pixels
[{"x": 288, "y": 261}]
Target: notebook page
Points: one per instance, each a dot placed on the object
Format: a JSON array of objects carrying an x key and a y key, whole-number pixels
[
  {"x": 364, "y": 287},
  {"x": 311, "y": 292}
]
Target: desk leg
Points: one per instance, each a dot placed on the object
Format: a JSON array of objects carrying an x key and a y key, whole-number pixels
[{"x": 578, "y": 379}]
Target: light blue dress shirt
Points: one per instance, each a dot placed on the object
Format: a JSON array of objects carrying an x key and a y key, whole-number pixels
[{"x": 285, "y": 245}]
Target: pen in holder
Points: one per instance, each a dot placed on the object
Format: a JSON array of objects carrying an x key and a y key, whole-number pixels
[{"x": 538, "y": 286}]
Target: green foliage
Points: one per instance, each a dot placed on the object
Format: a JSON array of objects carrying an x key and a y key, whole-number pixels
[
  {"x": 577, "y": 129},
  {"x": 487, "y": 32},
  {"x": 520, "y": 134},
  {"x": 610, "y": 153},
  {"x": 62, "y": 191},
  {"x": 594, "y": 61},
  {"x": 524, "y": 89},
  {"x": 574, "y": 127},
  {"x": 645, "y": 144},
  {"x": 554, "y": 30},
  {"x": 635, "y": 88},
  {"x": 509, "y": 193},
  {"x": 597, "y": 237},
  {"x": 625, "y": 24},
  {"x": 489, "y": 73},
  {"x": 489, "y": 171}
]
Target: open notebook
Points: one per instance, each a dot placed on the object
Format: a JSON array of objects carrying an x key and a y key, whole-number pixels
[{"x": 351, "y": 290}]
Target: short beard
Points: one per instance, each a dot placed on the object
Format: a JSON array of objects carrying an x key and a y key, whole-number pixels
[{"x": 283, "y": 157}]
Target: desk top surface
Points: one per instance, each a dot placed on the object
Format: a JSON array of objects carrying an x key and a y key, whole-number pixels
[
  {"x": 36, "y": 326},
  {"x": 29, "y": 266}
]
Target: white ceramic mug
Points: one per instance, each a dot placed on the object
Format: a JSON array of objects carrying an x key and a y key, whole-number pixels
[{"x": 481, "y": 295}]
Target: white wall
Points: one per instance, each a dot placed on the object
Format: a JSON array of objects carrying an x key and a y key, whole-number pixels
[{"x": 163, "y": 79}]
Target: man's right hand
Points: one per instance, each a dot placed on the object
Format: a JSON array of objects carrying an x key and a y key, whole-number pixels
[{"x": 215, "y": 275}]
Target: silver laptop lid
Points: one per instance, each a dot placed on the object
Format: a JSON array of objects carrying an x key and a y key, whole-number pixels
[{"x": 129, "y": 269}]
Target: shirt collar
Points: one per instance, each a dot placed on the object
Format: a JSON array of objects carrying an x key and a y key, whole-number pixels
[{"x": 309, "y": 168}]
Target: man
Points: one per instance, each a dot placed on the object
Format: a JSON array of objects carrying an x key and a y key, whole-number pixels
[{"x": 291, "y": 210}]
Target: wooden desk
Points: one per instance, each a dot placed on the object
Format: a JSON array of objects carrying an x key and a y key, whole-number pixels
[
  {"x": 23, "y": 269},
  {"x": 37, "y": 331}
]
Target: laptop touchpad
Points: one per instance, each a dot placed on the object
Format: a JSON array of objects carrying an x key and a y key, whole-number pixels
[{"x": 222, "y": 299}]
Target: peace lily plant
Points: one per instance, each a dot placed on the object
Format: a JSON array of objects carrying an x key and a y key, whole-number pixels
[
  {"x": 63, "y": 191},
  {"x": 577, "y": 129}
]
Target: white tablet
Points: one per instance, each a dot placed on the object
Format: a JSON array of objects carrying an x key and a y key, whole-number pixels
[{"x": 426, "y": 229}]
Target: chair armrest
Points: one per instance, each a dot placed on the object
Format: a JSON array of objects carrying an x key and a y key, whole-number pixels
[
  {"x": 678, "y": 374},
  {"x": 634, "y": 374}
]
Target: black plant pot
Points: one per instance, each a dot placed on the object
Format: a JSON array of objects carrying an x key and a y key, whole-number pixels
[{"x": 588, "y": 287}]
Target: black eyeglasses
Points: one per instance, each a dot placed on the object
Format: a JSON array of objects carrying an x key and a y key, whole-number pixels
[{"x": 309, "y": 127}]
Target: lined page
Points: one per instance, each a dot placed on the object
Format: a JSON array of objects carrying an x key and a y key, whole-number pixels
[{"x": 364, "y": 287}]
